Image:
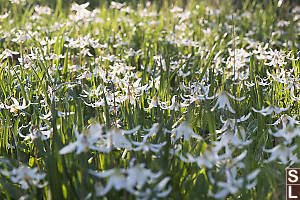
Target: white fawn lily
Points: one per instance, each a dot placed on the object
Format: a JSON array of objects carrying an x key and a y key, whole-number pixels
[
  {"x": 223, "y": 101},
  {"x": 15, "y": 107}
]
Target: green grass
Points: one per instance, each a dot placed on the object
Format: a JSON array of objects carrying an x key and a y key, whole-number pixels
[{"x": 109, "y": 65}]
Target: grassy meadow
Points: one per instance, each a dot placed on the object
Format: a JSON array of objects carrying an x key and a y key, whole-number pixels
[{"x": 148, "y": 100}]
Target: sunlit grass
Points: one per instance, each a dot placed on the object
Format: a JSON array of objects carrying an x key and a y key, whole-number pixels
[{"x": 145, "y": 101}]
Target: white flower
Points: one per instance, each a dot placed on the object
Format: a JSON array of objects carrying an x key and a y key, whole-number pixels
[
  {"x": 292, "y": 87},
  {"x": 25, "y": 176},
  {"x": 261, "y": 52},
  {"x": 202, "y": 160},
  {"x": 42, "y": 10},
  {"x": 194, "y": 98},
  {"x": 229, "y": 138},
  {"x": 223, "y": 101},
  {"x": 279, "y": 3},
  {"x": 184, "y": 130},
  {"x": 138, "y": 176},
  {"x": 231, "y": 123},
  {"x": 8, "y": 53},
  {"x": 116, "y": 5},
  {"x": 284, "y": 153},
  {"x": 22, "y": 36},
  {"x": 268, "y": 110},
  {"x": 157, "y": 192},
  {"x": 288, "y": 132},
  {"x": 4, "y": 16},
  {"x": 233, "y": 134},
  {"x": 46, "y": 116},
  {"x": 277, "y": 58},
  {"x": 152, "y": 131},
  {"x": 116, "y": 138},
  {"x": 100, "y": 102},
  {"x": 132, "y": 52},
  {"x": 145, "y": 147},
  {"x": 237, "y": 58},
  {"x": 230, "y": 186},
  {"x": 176, "y": 9},
  {"x": 18, "y": 1},
  {"x": 263, "y": 82},
  {"x": 174, "y": 105},
  {"x": 206, "y": 159},
  {"x": 132, "y": 179},
  {"x": 37, "y": 132},
  {"x": 64, "y": 114},
  {"x": 117, "y": 180},
  {"x": 286, "y": 119},
  {"x": 76, "y": 7},
  {"x": 233, "y": 183},
  {"x": 16, "y": 106},
  {"x": 153, "y": 103},
  {"x": 81, "y": 12},
  {"x": 84, "y": 141}
]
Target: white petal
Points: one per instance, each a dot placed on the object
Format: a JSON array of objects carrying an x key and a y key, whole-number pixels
[
  {"x": 69, "y": 148},
  {"x": 16, "y": 103},
  {"x": 253, "y": 174},
  {"x": 165, "y": 193},
  {"x": 132, "y": 130},
  {"x": 106, "y": 189}
]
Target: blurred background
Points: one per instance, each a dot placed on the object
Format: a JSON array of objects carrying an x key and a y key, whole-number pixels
[{"x": 65, "y": 4}]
